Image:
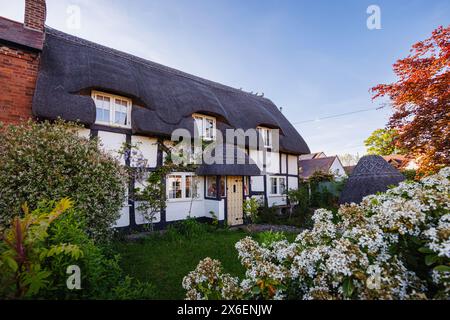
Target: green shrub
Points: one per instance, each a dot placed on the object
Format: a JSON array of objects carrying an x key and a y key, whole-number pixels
[
  {"x": 251, "y": 206},
  {"x": 24, "y": 251},
  {"x": 268, "y": 215},
  {"x": 101, "y": 275},
  {"x": 300, "y": 198},
  {"x": 45, "y": 161},
  {"x": 410, "y": 174},
  {"x": 267, "y": 238},
  {"x": 38, "y": 248},
  {"x": 189, "y": 228}
]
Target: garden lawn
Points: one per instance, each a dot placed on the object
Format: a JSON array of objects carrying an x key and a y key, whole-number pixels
[{"x": 164, "y": 262}]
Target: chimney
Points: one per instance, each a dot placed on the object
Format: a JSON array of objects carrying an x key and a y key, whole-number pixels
[{"x": 35, "y": 14}]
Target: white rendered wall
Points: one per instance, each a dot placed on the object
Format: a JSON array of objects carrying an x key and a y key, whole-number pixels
[
  {"x": 292, "y": 183},
  {"x": 113, "y": 143},
  {"x": 293, "y": 164},
  {"x": 276, "y": 200},
  {"x": 257, "y": 183},
  {"x": 337, "y": 169},
  {"x": 148, "y": 147},
  {"x": 139, "y": 217},
  {"x": 283, "y": 163}
]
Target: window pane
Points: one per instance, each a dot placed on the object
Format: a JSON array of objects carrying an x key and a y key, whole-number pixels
[
  {"x": 282, "y": 185},
  {"x": 268, "y": 138},
  {"x": 222, "y": 187},
  {"x": 174, "y": 186},
  {"x": 211, "y": 187},
  {"x": 121, "y": 112},
  {"x": 102, "y": 108},
  {"x": 199, "y": 124},
  {"x": 273, "y": 186},
  {"x": 246, "y": 185},
  {"x": 188, "y": 186},
  {"x": 209, "y": 130}
]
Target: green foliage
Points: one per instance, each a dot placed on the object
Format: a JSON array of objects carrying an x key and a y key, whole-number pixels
[
  {"x": 152, "y": 199},
  {"x": 37, "y": 249},
  {"x": 267, "y": 238},
  {"x": 300, "y": 198},
  {"x": 189, "y": 228},
  {"x": 46, "y": 160},
  {"x": 215, "y": 221},
  {"x": 251, "y": 209},
  {"x": 101, "y": 275},
  {"x": 24, "y": 251},
  {"x": 382, "y": 142},
  {"x": 410, "y": 174},
  {"x": 268, "y": 215}
]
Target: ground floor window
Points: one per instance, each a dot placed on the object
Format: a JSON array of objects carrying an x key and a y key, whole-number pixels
[
  {"x": 182, "y": 186},
  {"x": 277, "y": 185},
  {"x": 246, "y": 186},
  {"x": 212, "y": 189}
]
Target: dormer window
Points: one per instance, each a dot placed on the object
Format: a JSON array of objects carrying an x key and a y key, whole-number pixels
[
  {"x": 112, "y": 110},
  {"x": 266, "y": 135},
  {"x": 206, "y": 126}
]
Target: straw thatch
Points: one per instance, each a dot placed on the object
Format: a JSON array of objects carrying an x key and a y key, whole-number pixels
[{"x": 372, "y": 174}]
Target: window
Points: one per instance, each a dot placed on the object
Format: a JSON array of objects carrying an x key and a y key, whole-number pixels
[
  {"x": 182, "y": 186},
  {"x": 277, "y": 185},
  {"x": 223, "y": 187},
  {"x": 206, "y": 126},
  {"x": 246, "y": 186},
  {"x": 266, "y": 135},
  {"x": 211, "y": 187},
  {"x": 174, "y": 187},
  {"x": 112, "y": 110}
]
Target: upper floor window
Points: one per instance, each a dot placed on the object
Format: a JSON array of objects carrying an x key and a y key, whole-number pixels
[
  {"x": 206, "y": 126},
  {"x": 266, "y": 135},
  {"x": 112, "y": 110}
]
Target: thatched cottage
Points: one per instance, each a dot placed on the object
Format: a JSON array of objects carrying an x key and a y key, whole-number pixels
[{"x": 121, "y": 98}]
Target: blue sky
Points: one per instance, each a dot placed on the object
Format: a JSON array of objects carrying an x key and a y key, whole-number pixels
[{"x": 312, "y": 58}]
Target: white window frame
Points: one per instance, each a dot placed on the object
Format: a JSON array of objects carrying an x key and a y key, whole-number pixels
[
  {"x": 262, "y": 131},
  {"x": 204, "y": 119},
  {"x": 112, "y": 111},
  {"x": 278, "y": 183},
  {"x": 183, "y": 186}
]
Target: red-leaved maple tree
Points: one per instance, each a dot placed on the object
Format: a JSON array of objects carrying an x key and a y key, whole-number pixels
[{"x": 421, "y": 101}]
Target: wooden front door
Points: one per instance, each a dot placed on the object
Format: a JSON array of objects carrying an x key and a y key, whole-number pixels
[{"x": 235, "y": 201}]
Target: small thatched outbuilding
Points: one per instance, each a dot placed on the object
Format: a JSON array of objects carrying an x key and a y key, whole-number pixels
[{"x": 372, "y": 174}]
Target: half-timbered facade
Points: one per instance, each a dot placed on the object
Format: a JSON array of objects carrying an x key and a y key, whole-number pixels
[{"x": 125, "y": 100}]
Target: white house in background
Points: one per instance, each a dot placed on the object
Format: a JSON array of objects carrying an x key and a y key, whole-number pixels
[
  {"x": 311, "y": 156},
  {"x": 122, "y": 99},
  {"x": 319, "y": 162}
]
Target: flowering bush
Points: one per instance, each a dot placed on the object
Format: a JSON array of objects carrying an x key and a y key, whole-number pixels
[
  {"x": 43, "y": 161},
  {"x": 394, "y": 245}
]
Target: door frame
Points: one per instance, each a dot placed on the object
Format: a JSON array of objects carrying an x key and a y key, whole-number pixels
[{"x": 228, "y": 194}]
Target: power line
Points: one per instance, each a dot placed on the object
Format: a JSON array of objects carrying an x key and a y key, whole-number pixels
[{"x": 337, "y": 115}]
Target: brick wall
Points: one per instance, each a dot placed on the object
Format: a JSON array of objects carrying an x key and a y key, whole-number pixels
[
  {"x": 35, "y": 14},
  {"x": 18, "y": 74}
]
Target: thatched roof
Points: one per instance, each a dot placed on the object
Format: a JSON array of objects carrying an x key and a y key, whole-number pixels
[
  {"x": 239, "y": 163},
  {"x": 372, "y": 174},
  {"x": 163, "y": 98}
]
